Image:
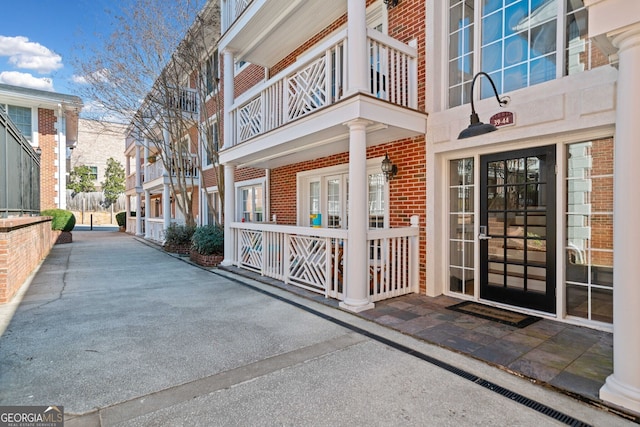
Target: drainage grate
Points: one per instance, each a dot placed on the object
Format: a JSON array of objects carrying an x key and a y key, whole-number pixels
[{"x": 516, "y": 397}]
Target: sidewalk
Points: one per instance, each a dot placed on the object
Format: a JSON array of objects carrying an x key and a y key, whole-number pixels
[
  {"x": 109, "y": 340},
  {"x": 571, "y": 359}
]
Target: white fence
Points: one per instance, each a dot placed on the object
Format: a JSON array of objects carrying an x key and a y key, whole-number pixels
[
  {"x": 316, "y": 258},
  {"x": 318, "y": 79}
]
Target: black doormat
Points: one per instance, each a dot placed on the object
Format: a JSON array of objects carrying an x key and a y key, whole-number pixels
[{"x": 495, "y": 314}]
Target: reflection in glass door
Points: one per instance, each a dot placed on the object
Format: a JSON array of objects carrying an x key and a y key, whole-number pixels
[{"x": 517, "y": 228}]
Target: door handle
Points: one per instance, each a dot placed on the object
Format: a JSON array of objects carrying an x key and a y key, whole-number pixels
[{"x": 483, "y": 233}]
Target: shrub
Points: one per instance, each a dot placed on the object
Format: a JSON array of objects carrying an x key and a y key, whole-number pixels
[
  {"x": 208, "y": 240},
  {"x": 121, "y": 217},
  {"x": 62, "y": 219},
  {"x": 178, "y": 235}
]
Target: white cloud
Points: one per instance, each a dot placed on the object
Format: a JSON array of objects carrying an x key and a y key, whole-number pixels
[
  {"x": 101, "y": 75},
  {"x": 16, "y": 78},
  {"x": 29, "y": 55}
]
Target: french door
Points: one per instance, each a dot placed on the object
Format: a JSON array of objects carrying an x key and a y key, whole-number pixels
[{"x": 517, "y": 228}]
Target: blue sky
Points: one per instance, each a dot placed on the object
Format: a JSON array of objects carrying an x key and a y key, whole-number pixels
[{"x": 39, "y": 38}]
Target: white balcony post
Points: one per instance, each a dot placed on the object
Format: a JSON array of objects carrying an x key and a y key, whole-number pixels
[
  {"x": 147, "y": 214},
  {"x": 228, "y": 83},
  {"x": 357, "y": 280},
  {"x": 414, "y": 260},
  {"x": 623, "y": 386},
  {"x": 138, "y": 167},
  {"x": 138, "y": 229},
  {"x": 166, "y": 206},
  {"x": 358, "y": 69},
  {"x": 229, "y": 213}
]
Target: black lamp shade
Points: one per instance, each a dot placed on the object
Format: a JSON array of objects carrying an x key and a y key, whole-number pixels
[{"x": 476, "y": 129}]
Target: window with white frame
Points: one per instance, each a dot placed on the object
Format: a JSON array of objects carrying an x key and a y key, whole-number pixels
[
  {"x": 210, "y": 142},
  {"x": 251, "y": 201},
  {"x": 325, "y": 197},
  {"x": 21, "y": 117},
  {"x": 214, "y": 215},
  {"x": 516, "y": 42},
  {"x": 461, "y": 226},
  {"x": 212, "y": 73}
]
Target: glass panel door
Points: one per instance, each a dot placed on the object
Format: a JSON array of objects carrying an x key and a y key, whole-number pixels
[{"x": 517, "y": 231}]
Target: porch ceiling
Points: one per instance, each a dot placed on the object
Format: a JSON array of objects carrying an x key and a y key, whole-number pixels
[
  {"x": 325, "y": 133},
  {"x": 270, "y": 29}
]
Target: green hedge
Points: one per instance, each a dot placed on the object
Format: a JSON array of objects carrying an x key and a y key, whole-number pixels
[
  {"x": 121, "y": 218},
  {"x": 208, "y": 240},
  {"x": 177, "y": 235},
  {"x": 62, "y": 219}
]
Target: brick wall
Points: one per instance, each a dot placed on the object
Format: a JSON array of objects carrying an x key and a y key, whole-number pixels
[
  {"x": 48, "y": 160},
  {"x": 24, "y": 242},
  {"x": 407, "y": 190}
]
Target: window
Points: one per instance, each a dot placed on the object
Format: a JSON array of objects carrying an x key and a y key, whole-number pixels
[
  {"x": 589, "y": 228},
  {"x": 212, "y": 73},
  {"x": 251, "y": 203},
  {"x": 93, "y": 174},
  {"x": 461, "y": 225},
  {"x": 21, "y": 117},
  {"x": 211, "y": 143},
  {"x": 325, "y": 197},
  {"x": 213, "y": 208},
  {"x": 240, "y": 65},
  {"x": 517, "y": 41}
]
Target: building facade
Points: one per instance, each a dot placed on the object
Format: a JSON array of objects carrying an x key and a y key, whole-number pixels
[
  {"x": 49, "y": 121},
  {"x": 346, "y": 172}
]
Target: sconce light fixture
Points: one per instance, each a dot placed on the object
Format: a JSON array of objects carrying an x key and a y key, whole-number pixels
[
  {"x": 39, "y": 151},
  {"x": 391, "y": 3},
  {"x": 388, "y": 169},
  {"x": 477, "y": 127}
]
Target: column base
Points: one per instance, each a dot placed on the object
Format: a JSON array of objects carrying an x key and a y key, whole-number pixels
[
  {"x": 356, "y": 306},
  {"x": 226, "y": 263},
  {"x": 620, "y": 394}
]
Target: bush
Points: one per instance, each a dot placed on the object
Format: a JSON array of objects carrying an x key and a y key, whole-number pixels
[
  {"x": 121, "y": 218},
  {"x": 178, "y": 235},
  {"x": 208, "y": 240},
  {"x": 62, "y": 219}
]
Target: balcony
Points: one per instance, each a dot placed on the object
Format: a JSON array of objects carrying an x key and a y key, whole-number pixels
[
  {"x": 184, "y": 100},
  {"x": 306, "y": 104},
  {"x": 265, "y": 31},
  {"x": 315, "y": 258},
  {"x": 178, "y": 167}
]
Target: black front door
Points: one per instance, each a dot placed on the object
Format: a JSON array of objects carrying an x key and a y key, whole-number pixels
[{"x": 517, "y": 228}]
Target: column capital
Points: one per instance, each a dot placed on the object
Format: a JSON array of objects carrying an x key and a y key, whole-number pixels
[
  {"x": 358, "y": 123},
  {"x": 627, "y": 38}
]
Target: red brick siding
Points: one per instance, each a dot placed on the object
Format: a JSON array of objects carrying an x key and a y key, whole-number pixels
[
  {"x": 407, "y": 190},
  {"x": 24, "y": 242},
  {"x": 48, "y": 170}
]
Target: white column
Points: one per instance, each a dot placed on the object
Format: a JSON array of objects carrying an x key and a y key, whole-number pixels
[
  {"x": 139, "y": 162},
  {"x": 357, "y": 280},
  {"x": 139, "y": 214},
  {"x": 358, "y": 69},
  {"x": 147, "y": 213},
  {"x": 229, "y": 213},
  {"x": 623, "y": 386},
  {"x": 228, "y": 85},
  {"x": 166, "y": 206}
]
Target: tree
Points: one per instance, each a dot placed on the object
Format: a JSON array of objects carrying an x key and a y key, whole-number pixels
[
  {"x": 151, "y": 72},
  {"x": 114, "y": 180},
  {"x": 81, "y": 180}
]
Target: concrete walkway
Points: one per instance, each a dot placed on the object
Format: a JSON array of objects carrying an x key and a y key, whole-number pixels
[{"x": 120, "y": 333}]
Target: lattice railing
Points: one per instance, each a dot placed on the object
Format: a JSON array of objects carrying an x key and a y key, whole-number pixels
[
  {"x": 307, "y": 89},
  {"x": 316, "y": 259},
  {"x": 231, "y": 10},
  {"x": 250, "y": 119}
]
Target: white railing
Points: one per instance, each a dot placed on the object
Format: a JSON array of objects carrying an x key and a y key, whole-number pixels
[
  {"x": 316, "y": 258},
  {"x": 231, "y": 10},
  {"x": 155, "y": 229},
  {"x": 184, "y": 99},
  {"x": 131, "y": 225},
  {"x": 131, "y": 181},
  {"x": 187, "y": 167},
  {"x": 318, "y": 79},
  {"x": 393, "y": 262}
]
